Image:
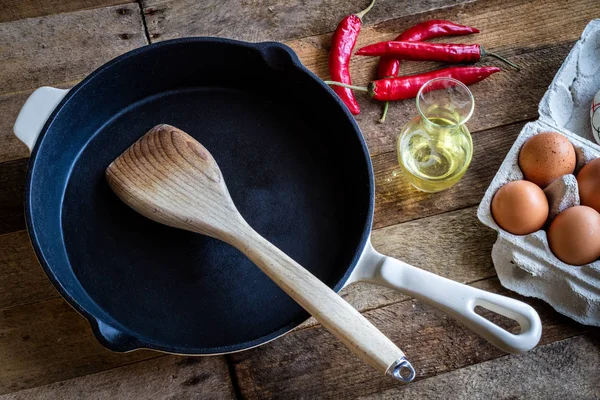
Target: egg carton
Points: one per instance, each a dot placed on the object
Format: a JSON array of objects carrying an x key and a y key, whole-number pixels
[{"x": 525, "y": 263}]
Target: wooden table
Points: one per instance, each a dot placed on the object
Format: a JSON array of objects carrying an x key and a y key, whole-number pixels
[{"x": 47, "y": 350}]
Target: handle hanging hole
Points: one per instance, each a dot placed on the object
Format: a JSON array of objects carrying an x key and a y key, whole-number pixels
[{"x": 498, "y": 319}]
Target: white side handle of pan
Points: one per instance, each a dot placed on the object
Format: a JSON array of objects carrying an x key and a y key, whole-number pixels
[
  {"x": 35, "y": 113},
  {"x": 455, "y": 299}
]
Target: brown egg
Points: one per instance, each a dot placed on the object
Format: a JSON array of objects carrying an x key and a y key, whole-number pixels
[
  {"x": 574, "y": 235},
  {"x": 546, "y": 157},
  {"x": 520, "y": 207},
  {"x": 588, "y": 180}
]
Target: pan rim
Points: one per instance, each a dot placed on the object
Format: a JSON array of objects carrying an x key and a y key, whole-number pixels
[{"x": 140, "y": 342}]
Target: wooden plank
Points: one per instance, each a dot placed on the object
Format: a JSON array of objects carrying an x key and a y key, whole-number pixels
[
  {"x": 11, "y": 148},
  {"x": 311, "y": 363},
  {"x": 396, "y": 200},
  {"x": 48, "y": 341},
  {"x": 168, "y": 377},
  {"x": 11, "y": 10},
  {"x": 65, "y": 47},
  {"x": 267, "y": 20},
  {"x": 22, "y": 280},
  {"x": 561, "y": 370},
  {"x": 58, "y": 49},
  {"x": 12, "y": 184},
  {"x": 454, "y": 245},
  {"x": 510, "y": 28}
]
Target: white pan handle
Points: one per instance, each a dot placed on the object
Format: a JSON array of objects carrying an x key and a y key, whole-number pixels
[
  {"x": 35, "y": 112},
  {"x": 458, "y": 301}
]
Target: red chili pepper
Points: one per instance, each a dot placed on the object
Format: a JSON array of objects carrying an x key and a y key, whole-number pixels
[
  {"x": 419, "y": 51},
  {"x": 342, "y": 44},
  {"x": 388, "y": 66},
  {"x": 406, "y": 87}
]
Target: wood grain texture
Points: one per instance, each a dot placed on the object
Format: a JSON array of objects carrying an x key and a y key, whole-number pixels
[
  {"x": 11, "y": 10},
  {"x": 48, "y": 341},
  {"x": 567, "y": 369},
  {"x": 172, "y": 179},
  {"x": 12, "y": 185},
  {"x": 61, "y": 48},
  {"x": 11, "y": 148},
  {"x": 166, "y": 377},
  {"x": 311, "y": 364},
  {"x": 58, "y": 50},
  {"x": 267, "y": 19},
  {"x": 22, "y": 280}
]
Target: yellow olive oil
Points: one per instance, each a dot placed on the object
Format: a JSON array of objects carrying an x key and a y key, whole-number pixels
[{"x": 434, "y": 153}]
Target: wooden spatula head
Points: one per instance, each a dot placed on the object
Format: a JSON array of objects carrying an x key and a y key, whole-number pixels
[{"x": 170, "y": 178}]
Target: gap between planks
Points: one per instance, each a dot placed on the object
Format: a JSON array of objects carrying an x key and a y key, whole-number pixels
[{"x": 144, "y": 22}]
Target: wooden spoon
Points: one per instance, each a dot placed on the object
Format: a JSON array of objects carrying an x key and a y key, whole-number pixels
[{"x": 170, "y": 178}]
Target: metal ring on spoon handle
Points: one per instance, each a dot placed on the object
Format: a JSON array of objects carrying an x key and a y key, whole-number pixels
[{"x": 395, "y": 370}]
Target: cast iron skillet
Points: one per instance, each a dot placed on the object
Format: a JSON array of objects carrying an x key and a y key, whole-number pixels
[{"x": 296, "y": 166}]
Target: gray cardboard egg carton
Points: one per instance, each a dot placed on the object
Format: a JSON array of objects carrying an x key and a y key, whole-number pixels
[{"x": 525, "y": 264}]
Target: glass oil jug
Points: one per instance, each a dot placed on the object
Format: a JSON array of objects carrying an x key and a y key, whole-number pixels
[{"x": 435, "y": 148}]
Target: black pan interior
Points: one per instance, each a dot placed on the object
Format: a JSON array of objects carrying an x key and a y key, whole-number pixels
[{"x": 293, "y": 161}]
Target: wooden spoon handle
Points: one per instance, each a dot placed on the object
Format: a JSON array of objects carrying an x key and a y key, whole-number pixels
[{"x": 335, "y": 314}]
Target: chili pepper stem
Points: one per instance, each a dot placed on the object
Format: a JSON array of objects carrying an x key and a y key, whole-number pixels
[
  {"x": 385, "y": 110},
  {"x": 357, "y": 88},
  {"x": 366, "y": 10},
  {"x": 484, "y": 53}
]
